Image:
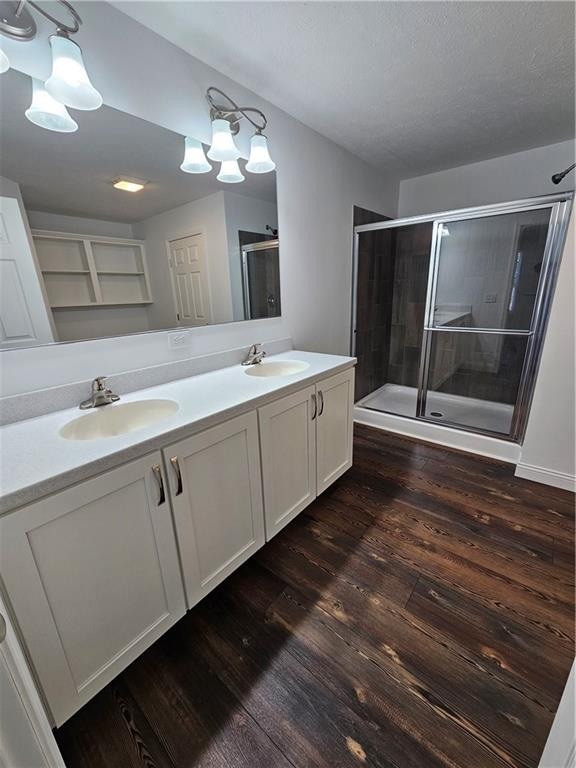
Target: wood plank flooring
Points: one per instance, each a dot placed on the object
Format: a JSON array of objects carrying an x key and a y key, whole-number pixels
[{"x": 419, "y": 614}]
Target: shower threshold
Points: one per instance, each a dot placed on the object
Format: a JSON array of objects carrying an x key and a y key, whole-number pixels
[{"x": 468, "y": 412}]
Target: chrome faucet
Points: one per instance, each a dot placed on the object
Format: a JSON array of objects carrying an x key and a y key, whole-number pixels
[
  {"x": 101, "y": 395},
  {"x": 254, "y": 356}
]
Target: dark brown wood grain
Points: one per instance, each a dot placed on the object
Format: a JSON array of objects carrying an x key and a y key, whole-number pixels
[{"x": 420, "y": 614}]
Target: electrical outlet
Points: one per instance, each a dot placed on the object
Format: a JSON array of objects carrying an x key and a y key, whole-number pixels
[{"x": 179, "y": 340}]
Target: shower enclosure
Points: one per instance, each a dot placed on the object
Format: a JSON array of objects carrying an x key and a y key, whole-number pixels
[
  {"x": 261, "y": 279},
  {"x": 449, "y": 312}
]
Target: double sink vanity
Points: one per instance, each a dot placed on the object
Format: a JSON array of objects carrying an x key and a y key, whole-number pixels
[{"x": 117, "y": 521}]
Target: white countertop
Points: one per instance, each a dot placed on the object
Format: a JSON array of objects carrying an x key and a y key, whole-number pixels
[
  {"x": 447, "y": 317},
  {"x": 37, "y": 461}
]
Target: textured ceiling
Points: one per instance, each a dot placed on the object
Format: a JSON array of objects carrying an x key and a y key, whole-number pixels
[
  {"x": 71, "y": 173},
  {"x": 411, "y": 87}
]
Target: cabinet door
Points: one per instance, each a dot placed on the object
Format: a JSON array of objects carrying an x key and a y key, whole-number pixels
[
  {"x": 288, "y": 440},
  {"x": 217, "y": 499},
  {"x": 93, "y": 577},
  {"x": 334, "y": 427}
]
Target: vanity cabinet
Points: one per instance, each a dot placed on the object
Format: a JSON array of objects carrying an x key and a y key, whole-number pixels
[
  {"x": 98, "y": 572},
  {"x": 216, "y": 490},
  {"x": 93, "y": 577},
  {"x": 334, "y": 428},
  {"x": 306, "y": 444},
  {"x": 288, "y": 440}
]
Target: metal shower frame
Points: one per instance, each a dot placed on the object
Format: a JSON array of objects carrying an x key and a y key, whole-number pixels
[{"x": 560, "y": 206}]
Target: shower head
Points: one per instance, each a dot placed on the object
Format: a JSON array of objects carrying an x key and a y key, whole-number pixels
[{"x": 557, "y": 178}]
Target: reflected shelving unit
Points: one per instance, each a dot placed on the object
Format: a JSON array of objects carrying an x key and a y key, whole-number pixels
[{"x": 85, "y": 271}]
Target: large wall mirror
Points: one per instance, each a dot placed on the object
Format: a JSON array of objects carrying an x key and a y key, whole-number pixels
[{"x": 82, "y": 259}]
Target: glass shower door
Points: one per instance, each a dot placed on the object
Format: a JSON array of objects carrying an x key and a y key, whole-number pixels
[
  {"x": 261, "y": 280},
  {"x": 480, "y": 323}
]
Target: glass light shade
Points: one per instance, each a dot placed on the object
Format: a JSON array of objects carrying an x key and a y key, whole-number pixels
[
  {"x": 260, "y": 160},
  {"x": 69, "y": 82},
  {"x": 230, "y": 172},
  {"x": 48, "y": 113},
  {"x": 194, "y": 157},
  {"x": 223, "y": 147},
  {"x": 4, "y": 62}
]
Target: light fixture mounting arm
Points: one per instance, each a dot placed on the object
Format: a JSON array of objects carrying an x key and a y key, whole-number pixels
[
  {"x": 17, "y": 22},
  {"x": 233, "y": 113}
]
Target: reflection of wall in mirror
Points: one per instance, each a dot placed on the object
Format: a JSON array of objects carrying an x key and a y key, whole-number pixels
[
  {"x": 244, "y": 213},
  {"x": 218, "y": 217}
]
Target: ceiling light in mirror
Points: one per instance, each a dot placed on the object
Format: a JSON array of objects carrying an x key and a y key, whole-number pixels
[
  {"x": 194, "y": 157},
  {"x": 48, "y": 113},
  {"x": 223, "y": 147},
  {"x": 69, "y": 82},
  {"x": 4, "y": 62},
  {"x": 260, "y": 160},
  {"x": 230, "y": 172},
  {"x": 129, "y": 185}
]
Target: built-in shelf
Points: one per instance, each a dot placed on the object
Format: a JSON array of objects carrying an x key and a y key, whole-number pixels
[
  {"x": 116, "y": 272},
  {"x": 94, "y": 305},
  {"x": 66, "y": 271},
  {"x": 91, "y": 272}
]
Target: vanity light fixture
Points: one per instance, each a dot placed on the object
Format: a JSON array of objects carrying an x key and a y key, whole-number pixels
[
  {"x": 260, "y": 160},
  {"x": 226, "y": 119},
  {"x": 4, "y": 62},
  {"x": 230, "y": 172},
  {"x": 69, "y": 82},
  {"x": 222, "y": 147},
  {"x": 128, "y": 185},
  {"x": 48, "y": 113},
  {"x": 194, "y": 157}
]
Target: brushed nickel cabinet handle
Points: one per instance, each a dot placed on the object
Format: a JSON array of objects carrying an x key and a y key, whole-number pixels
[
  {"x": 2, "y": 628},
  {"x": 315, "y": 404},
  {"x": 160, "y": 480},
  {"x": 321, "y": 396},
  {"x": 176, "y": 468}
]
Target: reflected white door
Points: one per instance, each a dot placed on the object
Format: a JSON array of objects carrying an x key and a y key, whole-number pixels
[
  {"x": 190, "y": 280},
  {"x": 24, "y": 316}
]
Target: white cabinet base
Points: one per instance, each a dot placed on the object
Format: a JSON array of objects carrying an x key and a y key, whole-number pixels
[
  {"x": 306, "y": 444},
  {"x": 218, "y": 513},
  {"x": 334, "y": 428},
  {"x": 94, "y": 579},
  {"x": 288, "y": 446}
]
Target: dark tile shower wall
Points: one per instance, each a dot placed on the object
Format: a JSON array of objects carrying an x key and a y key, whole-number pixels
[
  {"x": 411, "y": 261},
  {"x": 391, "y": 298},
  {"x": 374, "y": 310}
]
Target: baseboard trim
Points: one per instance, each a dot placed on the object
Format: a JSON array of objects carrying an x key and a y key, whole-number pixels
[
  {"x": 482, "y": 445},
  {"x": 546, "y": 476}
]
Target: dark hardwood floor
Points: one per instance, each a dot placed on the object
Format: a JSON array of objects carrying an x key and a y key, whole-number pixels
[{"x": 419, "y": 614}]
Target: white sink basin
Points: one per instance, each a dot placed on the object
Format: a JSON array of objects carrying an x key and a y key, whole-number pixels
[
  {"x": 113, "y": 420},
  {"x": 276, "y": 368}
]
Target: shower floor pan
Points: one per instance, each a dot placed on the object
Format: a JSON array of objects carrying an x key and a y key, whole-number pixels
[{"x": 466, "y": 411}]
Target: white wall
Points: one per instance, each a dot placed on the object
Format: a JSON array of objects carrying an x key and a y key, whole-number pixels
[
  {"x": 318, "y": 185},
  {"x": 511, "y": 177},
  {"x": 250, "y": 215},
  {"x": 205, "y": 215},
  {"x": 79, "y": 225},
  {"x": 549, "y": 450}
]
